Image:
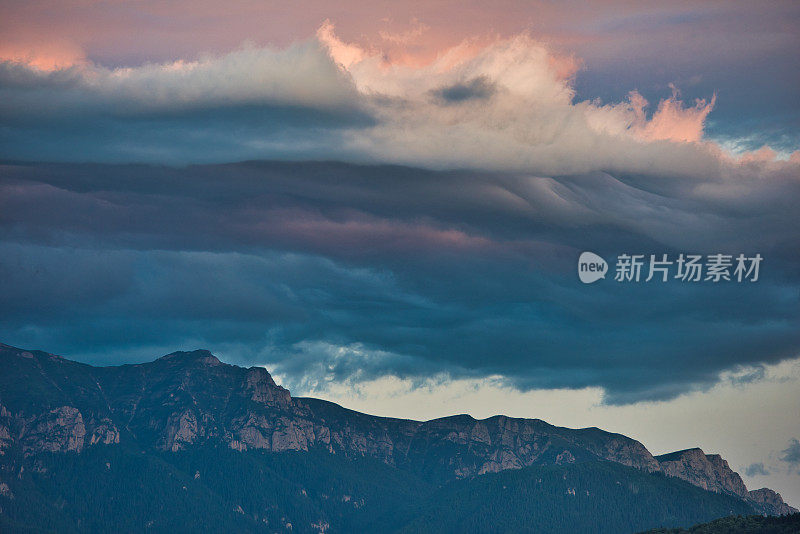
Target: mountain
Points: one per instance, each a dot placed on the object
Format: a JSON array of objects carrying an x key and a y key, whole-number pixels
[
  {"x": 196, "y": 443},
  {"x": 711, "y": 472}
]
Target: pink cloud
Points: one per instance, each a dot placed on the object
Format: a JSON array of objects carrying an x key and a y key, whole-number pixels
[
  {"x": 43, "y": 55},
  {"x": 671, "y": 121},
  {"x": 358, "y": 231}
]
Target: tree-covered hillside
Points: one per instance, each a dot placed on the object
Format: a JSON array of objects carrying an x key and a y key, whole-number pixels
[
  {"x": 591, "y": 497},
  {"x": 752, "y": 524},
  {"x": 115, "y": 489}
]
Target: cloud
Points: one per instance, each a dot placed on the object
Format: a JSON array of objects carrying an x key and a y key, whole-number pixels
[
  {"x": 671, "y": 121},
  {"x": 350, "y": 271},
  {"x": 460, "y": 263},
  {"x": 301, "y": 75},
  {"x": 509, "y": 105},
  {"x": 758, "y": 469},
  {"x": 743, "y": 52},
  {"x": 250, "y": 101},
  {"x": 791, "y": 454},
  {"x": 477, "y": 88}
]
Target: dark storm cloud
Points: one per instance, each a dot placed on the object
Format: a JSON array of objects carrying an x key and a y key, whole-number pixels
[{"x": 335, "y": 270}]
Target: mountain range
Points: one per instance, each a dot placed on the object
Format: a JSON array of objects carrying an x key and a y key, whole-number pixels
[{"x": 187, "y": 442}]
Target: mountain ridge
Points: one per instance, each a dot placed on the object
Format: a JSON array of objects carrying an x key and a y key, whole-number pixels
[{"x": 186, "y": 399}]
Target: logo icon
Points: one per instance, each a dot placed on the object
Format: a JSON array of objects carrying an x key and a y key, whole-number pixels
[{"x": 591, "y": 267}]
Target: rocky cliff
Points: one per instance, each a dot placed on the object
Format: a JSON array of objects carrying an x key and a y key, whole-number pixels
[
  {"x": 189, "y": 399},
  {"x": 711, "y": 472},
  {"x": 769, "y": 502},
  {"x": 708, "y": 471}
]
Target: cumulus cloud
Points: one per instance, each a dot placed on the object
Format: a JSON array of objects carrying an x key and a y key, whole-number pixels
[
  {"x": 671, "y": 121},
  {"x": 509, "y": 105},
  {"x": 742, "y": 51},
  {"x": 516, "y": 110}
]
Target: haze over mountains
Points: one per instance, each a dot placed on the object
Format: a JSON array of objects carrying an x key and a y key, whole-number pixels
[{"x": 187, "y": 411}]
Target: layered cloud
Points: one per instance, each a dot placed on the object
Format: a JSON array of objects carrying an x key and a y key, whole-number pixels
[
  {"x": 461, "y": 262},
  {"x": 338, "y": 271}
]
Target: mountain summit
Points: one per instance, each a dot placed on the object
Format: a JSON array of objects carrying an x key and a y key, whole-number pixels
[{"x": 191, "y": 405}]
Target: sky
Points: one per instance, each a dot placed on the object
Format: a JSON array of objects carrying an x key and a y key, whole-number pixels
[{"x": 384, "y": 204}]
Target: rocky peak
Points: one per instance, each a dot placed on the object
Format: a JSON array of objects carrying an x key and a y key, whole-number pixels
[
  {"x": 710, "y": 472},
  {"x": 769, "y": 502},
  {"x": 263, "y": 389}
]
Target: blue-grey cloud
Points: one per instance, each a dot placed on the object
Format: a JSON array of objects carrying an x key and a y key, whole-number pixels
[
  {"x": 756, "y": 469},
  {"x": 252, "y": 101},
  {"x": 337, "y": 270},
  {"x": 791, "y": 454}
]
